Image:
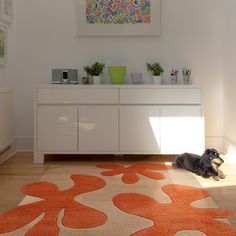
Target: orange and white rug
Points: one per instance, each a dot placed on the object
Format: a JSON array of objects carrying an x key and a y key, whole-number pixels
[{"x": 118, "y": 199}]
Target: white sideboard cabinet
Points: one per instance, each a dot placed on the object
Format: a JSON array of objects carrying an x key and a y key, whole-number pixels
[
  {"x": 98, "y": 128},
  {"x": 57, "y": 128},
  {"x": 118, "y": 119}
]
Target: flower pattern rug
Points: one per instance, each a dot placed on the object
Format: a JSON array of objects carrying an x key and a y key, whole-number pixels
[{"x": 116, "y": 199}]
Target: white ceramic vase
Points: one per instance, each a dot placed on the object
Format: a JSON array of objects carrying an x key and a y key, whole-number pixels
[
  {"x": 156, "y": 79},
  {"x": 96, "y": 79}
]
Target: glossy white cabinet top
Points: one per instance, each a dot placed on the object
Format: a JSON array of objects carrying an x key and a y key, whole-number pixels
[{"x": 109, "y": 86}]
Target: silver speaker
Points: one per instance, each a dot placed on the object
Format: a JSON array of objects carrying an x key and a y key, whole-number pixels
[{"x": 65, "y": 76}]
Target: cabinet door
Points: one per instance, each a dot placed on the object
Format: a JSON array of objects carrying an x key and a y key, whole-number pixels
[
  {"x": 139, "y": 129},
  {"x": 182, "y": 130},
  {"x": 57, "y": 128},
  {"x": 98, "y": 128}
]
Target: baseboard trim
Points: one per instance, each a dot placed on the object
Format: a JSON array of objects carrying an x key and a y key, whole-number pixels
[
  {"x": 8, "y": 153},
  {"x": 215, "y": 142},
  {"x": 24, "y": 144},
  {"x": 230, "y": 150},
  {"x": 19, "y": 144}
]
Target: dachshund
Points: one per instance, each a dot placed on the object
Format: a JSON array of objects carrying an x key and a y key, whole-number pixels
[{"x": 206, "y": 165}]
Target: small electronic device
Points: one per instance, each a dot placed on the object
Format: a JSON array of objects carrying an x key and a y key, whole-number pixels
[
  {"x": 65, "y": 79},
  {"x": 65, "y": 76}
]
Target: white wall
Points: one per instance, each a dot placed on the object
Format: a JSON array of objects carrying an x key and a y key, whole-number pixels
[
  {"x": 229, "y": 59},
  {"x": 46, "y": 38}
]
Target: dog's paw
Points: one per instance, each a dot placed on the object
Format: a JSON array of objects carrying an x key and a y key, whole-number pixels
[
  {"x": 221, "y": 174},
  {"x": 216, "y": 178}
]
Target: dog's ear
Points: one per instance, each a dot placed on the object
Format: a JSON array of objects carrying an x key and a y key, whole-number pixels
[{"x": 207, "y": 152}]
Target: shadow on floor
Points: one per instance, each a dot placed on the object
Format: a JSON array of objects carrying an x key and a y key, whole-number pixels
[{"x": 109, "y": 158}]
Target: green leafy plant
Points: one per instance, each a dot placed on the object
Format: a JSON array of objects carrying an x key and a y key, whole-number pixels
[
  {"x": 95, "y": 69},
  {"x": 155, "y": 68}
]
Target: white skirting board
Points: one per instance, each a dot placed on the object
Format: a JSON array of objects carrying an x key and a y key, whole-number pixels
[
  {"x": 24, "y": 144},
  {"x": 230, "y": 150},
  {"x": 19, "y": 144},
  {"x": 8, "y": 153}
]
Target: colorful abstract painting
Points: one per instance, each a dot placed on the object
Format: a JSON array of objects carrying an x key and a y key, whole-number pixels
[
  {"x": 119, "y": 17},
  {"x": 118, "y": 11}
]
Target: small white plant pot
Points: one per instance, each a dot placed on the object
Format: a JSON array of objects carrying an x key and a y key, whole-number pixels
[
  {"x": 96, "y": 79},
  {"x": 156, "y": 79}
]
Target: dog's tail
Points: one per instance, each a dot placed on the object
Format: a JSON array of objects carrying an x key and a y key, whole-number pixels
[{"x": 178, "y": 162}]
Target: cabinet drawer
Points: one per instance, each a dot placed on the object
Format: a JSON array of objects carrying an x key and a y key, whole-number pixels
[
  {"x": 78, "y": 96},
  {"x": 160, "y": 96}
]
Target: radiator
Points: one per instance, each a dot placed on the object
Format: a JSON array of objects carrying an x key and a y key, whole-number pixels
[{"x": 6, "y": 119}]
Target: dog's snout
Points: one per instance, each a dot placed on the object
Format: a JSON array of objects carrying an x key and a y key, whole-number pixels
[{"x": 218, "y": 161}]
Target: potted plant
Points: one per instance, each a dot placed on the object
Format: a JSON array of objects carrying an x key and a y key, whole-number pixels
[
  {"x": 95, "y": 71},
  {"x": 117, "y": 74},
  {"x": 156, "y": 70}
]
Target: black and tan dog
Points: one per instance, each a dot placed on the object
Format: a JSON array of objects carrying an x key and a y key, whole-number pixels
[{"x": 206, "y": 165}]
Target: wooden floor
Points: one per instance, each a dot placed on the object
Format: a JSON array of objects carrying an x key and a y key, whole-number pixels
[{"x": 20, "y": 170}]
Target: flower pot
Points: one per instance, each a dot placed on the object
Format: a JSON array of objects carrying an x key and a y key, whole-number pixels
[
  {"x": 85, "y": 80},
  {"x": 156, "y": 79},
  {"x": 117, "y": 74},
  {"x": 97, "y": 79},
  {"x": 136, "y": 78},
  {"x": 174, "y": 79}
]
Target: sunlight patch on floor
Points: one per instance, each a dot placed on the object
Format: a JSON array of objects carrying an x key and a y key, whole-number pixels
[
  {"x": 230, "y": 180},
  {"x": 230, "y": 157}
]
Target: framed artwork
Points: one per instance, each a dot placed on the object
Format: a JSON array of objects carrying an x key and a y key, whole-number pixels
[
  {"x": 3, "y": 44},
  {"x": 119, "y": 17},
  {"x": 6, "y": 10}
]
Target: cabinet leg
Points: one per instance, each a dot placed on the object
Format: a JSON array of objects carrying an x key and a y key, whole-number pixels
[{"x": 38, "y": 158}]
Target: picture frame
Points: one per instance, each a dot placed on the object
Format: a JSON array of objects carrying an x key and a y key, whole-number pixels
[
  {"x": 6, "y": 11},
  {"x": 104, "y": 20},
  {"x": 3, "y": 44}
]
